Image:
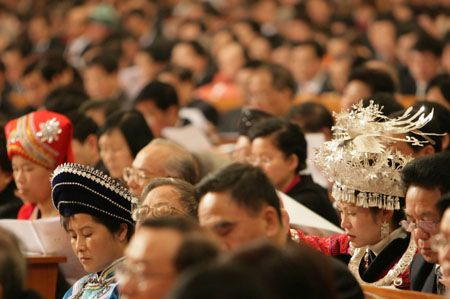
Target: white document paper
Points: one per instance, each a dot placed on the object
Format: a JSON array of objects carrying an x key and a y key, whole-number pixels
[
  {"x": 190, "y": 137},
  {"x": 313, "y": 141},
  {"x": 46, "y": 237},
  {"x": 306, "y": 220}
]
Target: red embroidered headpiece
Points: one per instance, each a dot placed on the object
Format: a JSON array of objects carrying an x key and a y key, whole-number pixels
[{"x": 43, "y": 137}]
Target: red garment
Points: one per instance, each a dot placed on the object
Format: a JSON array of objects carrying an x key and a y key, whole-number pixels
[
  {"x": 297, "y": 179},
  {"x": 339, "y": 244},
  {"x": 26, "y": 211}
]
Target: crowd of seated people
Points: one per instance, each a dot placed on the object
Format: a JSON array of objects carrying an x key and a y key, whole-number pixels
[{"x": 164, "y": 136}]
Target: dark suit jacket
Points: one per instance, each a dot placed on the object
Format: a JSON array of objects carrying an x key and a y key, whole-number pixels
[
  {"x": 314, "y": 197},
  {"x": 422, "y": 275}
]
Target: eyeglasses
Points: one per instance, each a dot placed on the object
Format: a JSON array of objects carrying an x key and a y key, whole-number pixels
[
  {"x": 439, "y": 241},
  {"x": 426, "y": 226},
  {"x": 138, "y": 274},
  {"x": 139, "y": 175},
  {"x": 124, "y": 272},
  {"x": 259, "y": 160},
  {"x": 142, "y": 212}
]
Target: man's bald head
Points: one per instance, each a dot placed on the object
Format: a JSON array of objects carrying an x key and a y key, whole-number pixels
[{"x": 162, "y": 158}]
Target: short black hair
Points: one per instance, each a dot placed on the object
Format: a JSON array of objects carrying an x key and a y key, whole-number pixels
[
  {"x": 113, "y": 225},
  {"x": 441, "y": 81},
  {"x": 432, "y": 171},
  {"x": 5, "y": 163},
  {"x": 162, "y": 94},
  {"x": 160, "y": 50},
  {"x": 83, "y": 126},
  {"x": 376, "y": 80},
  {"x": 248, "y": 185},
  {"x": 443, "y": 204},
  {"x": 66, "y": 98},
  {"x": 318, "y": 49},
  {"x": 218, "y": 281},
  {"x": 282, "y": 77},
  {"x": 286, "y": 136},
  {"x": 108, "y": 62},
  {"x": 133, "y": 126},
  {"x": 313, "y": 115},
  {"x": 427, "y": 43},
  {"x": 386, "y": 100},
  {"x": 196, "y": 46},
  {"x": 182, "y": 73},
  {"x": 109, "y": 106},
  {"x": 439, "y": 124}
]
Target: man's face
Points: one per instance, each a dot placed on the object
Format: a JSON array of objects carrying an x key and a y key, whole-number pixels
[
  {"x": 354, "y": 92},
  {"x": 151, "y": 161},
  {"x": 305, "y": 64},
  {"x": 156, "y": 118},
  {"x": 97, "y": 82},
  {"x": 36, "y": 89},
  {"x": 262, "y": 95},
  {"x": 150, "y": 272},
  {"x": 232, "y": 224},
  {"x": 420, "y": 206},
  {"x": 423, "y": 66}
]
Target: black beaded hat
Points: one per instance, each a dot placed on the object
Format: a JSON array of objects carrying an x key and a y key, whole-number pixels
[{"x": 82, "y": 189}]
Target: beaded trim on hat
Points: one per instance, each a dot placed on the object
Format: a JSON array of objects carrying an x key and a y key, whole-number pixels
[
  {"x": 97, "y": 176},
  {"x": 358, "y": 159}
]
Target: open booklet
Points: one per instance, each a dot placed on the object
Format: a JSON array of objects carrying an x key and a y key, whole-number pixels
[
  {"x": 46, "y": 237},
  {"x": 306, "y": 220}
]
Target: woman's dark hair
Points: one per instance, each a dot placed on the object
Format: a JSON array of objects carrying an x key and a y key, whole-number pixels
[
  {"x": 112, "y": 225},
  {"x": 398, "y": 215},
  {"x": 286, "y": 136},
  {"x": 133, "y": 126},
  {"x": 5, "y": 163}
]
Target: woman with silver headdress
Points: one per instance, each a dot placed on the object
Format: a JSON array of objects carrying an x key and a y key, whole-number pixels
[{"x": 369, "y": 195}]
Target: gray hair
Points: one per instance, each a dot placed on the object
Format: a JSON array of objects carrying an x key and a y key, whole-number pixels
[
  {"x": 180, "y": 165},
  {"x": 185, "y": 191}
]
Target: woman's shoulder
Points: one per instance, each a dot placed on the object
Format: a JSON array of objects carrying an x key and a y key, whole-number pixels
[{"x": 91, "y": 288}]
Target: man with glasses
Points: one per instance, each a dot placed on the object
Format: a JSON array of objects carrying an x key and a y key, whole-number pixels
[
  {"x": 166, "y": 196},
  {"x": 160, "y": 158},
  {"x": 426, "y": 180},
  {"x": 158, "y": 252}
]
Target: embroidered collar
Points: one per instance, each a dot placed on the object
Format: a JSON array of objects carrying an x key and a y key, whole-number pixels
[
  {"x": 393, "y": 275},
  {"x": 98, "y": 281},
  {"x": 377, "y": 248}
]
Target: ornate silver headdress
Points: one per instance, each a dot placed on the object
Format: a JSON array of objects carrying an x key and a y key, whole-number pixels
[{"x": 365, "y": 170}]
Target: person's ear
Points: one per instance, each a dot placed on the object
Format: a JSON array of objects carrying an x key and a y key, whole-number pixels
[
  {"x": 122, "y": 233},
  {"x": 172, "y": 115},
  {"x": 92, "y": 142},
  {"x": 387, "y": 215},
  {"x": 271, "y": 222},
  {"x": 426, "y": 150},
  {"x": 445, "y": 142},
  {"x": 293, "y": 162}
]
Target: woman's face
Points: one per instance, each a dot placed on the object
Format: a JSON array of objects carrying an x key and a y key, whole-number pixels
[
  {"x": 32, "y": 180},
  {"x": 279, "y": 168},
  {"x": 362, "y": 227},
  {"x": 94, "y": 245},
  {"x": 114, "y": 152}
]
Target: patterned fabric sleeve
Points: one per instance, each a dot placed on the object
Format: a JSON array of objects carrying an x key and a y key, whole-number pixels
[{"x": 331, "y": 245}]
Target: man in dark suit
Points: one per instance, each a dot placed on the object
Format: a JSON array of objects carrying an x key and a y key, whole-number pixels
[{"x": 426, "y": 179}]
